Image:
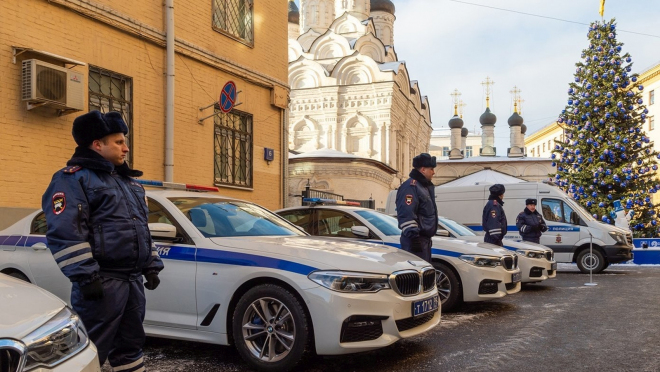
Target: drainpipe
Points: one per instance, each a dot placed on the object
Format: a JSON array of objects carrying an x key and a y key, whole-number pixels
[
  {"x": 285, "y": 157},
  {"x": 169, "y": 100}
]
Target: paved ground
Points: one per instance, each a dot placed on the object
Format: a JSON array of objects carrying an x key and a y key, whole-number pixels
[{"x": 560, "y": 325}]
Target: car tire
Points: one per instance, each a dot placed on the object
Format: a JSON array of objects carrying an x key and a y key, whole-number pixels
[
  {"x": 285, "y": 333},
  {"x": 18, "y": 275},
  {"x": 585, "y": 261},
  {"x": 449, "y": 287}
]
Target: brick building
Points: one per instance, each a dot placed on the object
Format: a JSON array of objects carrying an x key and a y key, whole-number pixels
[{"x": 112, "y": 55}]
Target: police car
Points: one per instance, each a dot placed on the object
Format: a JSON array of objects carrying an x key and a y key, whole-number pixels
[
  {"x": 466, "y": 271},
  {"x": 537, "y": 262},
  {"x": 235, "y": 273},
  {"x": 39, "y": 333}
]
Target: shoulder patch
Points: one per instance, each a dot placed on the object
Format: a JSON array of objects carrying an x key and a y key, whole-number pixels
[
  {"x": 413, "y": 182},
  {"x": 72, "y": 169},
  {"x": 409, "y": 199},
  {"x": 493, "y": 214}
]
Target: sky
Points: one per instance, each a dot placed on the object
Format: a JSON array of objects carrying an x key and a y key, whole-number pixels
[{"x": 451, "y": 45}]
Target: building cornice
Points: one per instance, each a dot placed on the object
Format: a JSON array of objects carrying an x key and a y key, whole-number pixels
[
  {"x": 550, "y": 128},
  {"x": 648, "y": 75},
  {"x": 330, "y": 160}
]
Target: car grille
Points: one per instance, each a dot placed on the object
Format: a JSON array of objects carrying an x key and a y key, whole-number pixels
[
  {"x": 488, "y": 286},
  {"x": 361, "y": 328},
  {"x": 549, "y": 255},
  {"x": 510, "y": 286},
  {"x": 510, "y": 262},
  {"x": 11, "y": 356},
  {"x": 410, "y": 323},
  {"x": 412, "y": 282},
  {"x": 536, "y": 272},
  {"x": 629, "y": 238}
]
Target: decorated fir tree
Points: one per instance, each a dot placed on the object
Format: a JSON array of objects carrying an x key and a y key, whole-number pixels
[{"x": 606, "y": 155}]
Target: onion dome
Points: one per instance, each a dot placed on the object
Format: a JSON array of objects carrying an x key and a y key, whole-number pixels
[
  {"x": 382, "y": 6},
  {"x": 294, "y": 14},
  {"x": 523, "y": 129},
  {"x": 515, "y": 120},
  {"x": 487, "y": 118},
  {"x": 464, "y": 132},
  {"x": 455, "y": 122}
]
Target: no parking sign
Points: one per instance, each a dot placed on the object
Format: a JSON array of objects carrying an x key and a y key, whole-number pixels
[{"x": 228, "y": 97}]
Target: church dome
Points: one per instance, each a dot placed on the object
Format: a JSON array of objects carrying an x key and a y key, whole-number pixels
[
  {"x": 515, "y": 120},
  {"x": 382, "y": 5},
  {"x": 294, "y": 14},
  {"x": 455, "y": 122},
  {"x": 523, "y": 129},
  {"x": 464, "y": 132},
  {"x": 487, "y": 118}
]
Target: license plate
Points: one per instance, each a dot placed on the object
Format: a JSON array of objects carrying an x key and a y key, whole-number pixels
[
  {"x": 554, "y": 266},
  {"x": 515, "y": 278},
  {"x": 425, "y": 306}
]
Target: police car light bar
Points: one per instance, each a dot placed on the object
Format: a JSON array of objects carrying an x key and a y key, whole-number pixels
[
  {"x": 178, "y": 186},
  {"x": 330, "y": 201}
]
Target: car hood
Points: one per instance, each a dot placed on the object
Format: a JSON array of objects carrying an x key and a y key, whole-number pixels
[
  {"x": 469, "y": 246},
  {"x": 24, "y": 307},
  {"x": 327, "y": 253},
  {"x": 512, "y": 244}
]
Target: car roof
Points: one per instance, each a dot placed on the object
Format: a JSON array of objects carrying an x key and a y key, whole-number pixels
[
  {"x": 330, "y": 206},
  {"x": 168, "y": 193}
]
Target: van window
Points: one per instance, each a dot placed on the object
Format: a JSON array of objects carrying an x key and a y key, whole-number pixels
[{"x": 556, "y": 210}]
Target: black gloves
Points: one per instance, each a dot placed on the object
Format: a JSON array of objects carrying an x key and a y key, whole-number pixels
[
  {"x": 93, "y": 291},
  {"x": 543, "y": 227},
  {"x": 416, "y": 245},
  {"x": 152, "y": 281}
]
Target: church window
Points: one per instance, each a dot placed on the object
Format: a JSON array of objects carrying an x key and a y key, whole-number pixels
[
  {"x": 234, "y": 19},
  {"x": 651, "y": 97},
  {"x": 468, "y": 151},
  {"x": 445, "y": 151},
  {"x": 233, "y": 148}
]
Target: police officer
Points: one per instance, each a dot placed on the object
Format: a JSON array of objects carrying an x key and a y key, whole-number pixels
[
  {"x": 493, "y": 219},
  {"x": 99, "y": 236},
  {"x": 530, "y": 223},
  {"x": 416, "y": 209}
]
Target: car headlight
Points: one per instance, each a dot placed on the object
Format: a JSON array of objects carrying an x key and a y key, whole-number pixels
[
  {"x": 57, "y": 340},
  {"x": 346, "y": 281},
  {"x": 483, "y": 261},
  {"x": 620, "y": 238},
  {"x": 530, "y": 254}
]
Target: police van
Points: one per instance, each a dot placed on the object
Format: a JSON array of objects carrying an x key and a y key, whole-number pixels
[{"x": 570, "y": 226}]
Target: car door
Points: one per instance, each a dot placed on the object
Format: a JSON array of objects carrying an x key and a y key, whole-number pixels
[
  {"x": 301, "y": 218},
  {"x": 335, "y": 223},
  {"x": 563, "y": 231},
  {"x": 174, "y": 302},
  {"x": 43, "y": 268}
]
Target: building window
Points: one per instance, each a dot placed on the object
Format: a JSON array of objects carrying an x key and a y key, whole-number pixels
[
  {"x": 468, "y": 151},
  {"x": 651, "y": 97},
  {"x": 538, "y": 150},
  {"x": 233, "y": 148},
  {"x": 549, "y": 148},
  {"x": 445, "y": 151},
  {"x": 110, "y": 91},
  {"x": 532, "y": 152},
  {"x": 234, "y": 19},
  {"x": 544, "y": 147},
  {"x": 651, "y": 123}
]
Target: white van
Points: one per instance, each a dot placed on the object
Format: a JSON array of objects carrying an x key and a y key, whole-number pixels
[{"x": 569, "y": 224}]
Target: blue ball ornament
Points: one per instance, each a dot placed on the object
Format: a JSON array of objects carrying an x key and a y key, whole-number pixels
[
  {"x": 601, "y": 204},
  {"x": 570, "y": 101},
  {"x": 589, "y": 203},
  {"x": 628, "y": 59},
  {"x": 594, "y": 194},
  {"x": 634, "y": 79},
  {"x": 577, "y": 79},
  {"x": 641, "y": 87},
  {"x": 595, "y": 215},
  {"x": 589, "y": 86},
  {"x": 609, "y": 94},
  {"x": 595, "y": 76},
  {"x": 640, "y": 101},
  {"x": 615, "y": 85}
]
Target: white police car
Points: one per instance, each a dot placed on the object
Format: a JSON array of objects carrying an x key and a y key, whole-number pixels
[
  {"x": 39, "y": 333},
  {"x": 537, "y": 262},
  {"x": 466, "y": 271},
  {"x": 237, "y": 273}
]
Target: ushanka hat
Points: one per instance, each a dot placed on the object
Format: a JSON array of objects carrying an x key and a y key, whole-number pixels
[
  {"x": 96, "y": 125},
  {"x": 424, "y": 160}
]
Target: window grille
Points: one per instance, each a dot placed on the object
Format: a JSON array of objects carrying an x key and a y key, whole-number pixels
[
  {"x": 110, "y": 91},
  {"x": 234, "y": 18},
  {"x": 233, "y": 148}
]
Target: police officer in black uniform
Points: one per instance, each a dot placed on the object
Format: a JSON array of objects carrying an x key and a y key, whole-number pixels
[
  {"x": 493, "y": 220},
  {"x": 416, "y": 209},
  {"x": 98, "y": 233},
  {"x": 530, "y": 223}
]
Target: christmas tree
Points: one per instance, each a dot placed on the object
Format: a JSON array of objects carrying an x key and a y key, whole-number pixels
[{"x": 605, "y": 154}]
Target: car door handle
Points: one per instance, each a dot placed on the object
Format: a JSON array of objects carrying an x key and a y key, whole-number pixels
[{"x": 39, "y": 247}]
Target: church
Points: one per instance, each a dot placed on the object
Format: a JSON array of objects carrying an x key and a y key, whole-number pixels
[{"x": 356, "y": 119}]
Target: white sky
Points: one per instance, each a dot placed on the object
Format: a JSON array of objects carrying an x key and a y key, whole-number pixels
[{"x": 448, "y": 45}]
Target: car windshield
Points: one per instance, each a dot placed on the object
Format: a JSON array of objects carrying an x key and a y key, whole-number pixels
[
  {"x": 387, "y": 225},
  {"x": 456, "y": 228},
  {"x": 216, "y": 218}
]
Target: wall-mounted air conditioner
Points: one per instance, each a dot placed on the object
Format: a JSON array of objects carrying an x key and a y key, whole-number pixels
[{"x": 45, "y": 84}]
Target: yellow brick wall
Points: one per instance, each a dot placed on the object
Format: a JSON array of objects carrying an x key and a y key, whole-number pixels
[{"x": 35, "y": 146}]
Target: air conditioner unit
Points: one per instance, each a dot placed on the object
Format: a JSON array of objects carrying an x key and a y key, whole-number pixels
[{"x": 45, "y": 84}]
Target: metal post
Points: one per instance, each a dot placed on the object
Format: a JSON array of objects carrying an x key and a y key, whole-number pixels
[{"x": 591, "y": 267}]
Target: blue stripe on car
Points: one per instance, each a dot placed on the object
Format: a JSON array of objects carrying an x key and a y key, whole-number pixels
[
  {"x": 514, "y": 228},
  {"x": 439, "y": 252}
]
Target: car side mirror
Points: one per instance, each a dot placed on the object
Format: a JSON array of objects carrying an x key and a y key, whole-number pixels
[
  {"x": 442, "y": 232},
  {"x": 360, "y": 231},
  {"x": 162, "y": 231}
]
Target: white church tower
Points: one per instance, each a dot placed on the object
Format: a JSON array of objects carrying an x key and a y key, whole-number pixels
[
  {"x": 316, "y": 15},
  {"x": 382, "y": 12}
]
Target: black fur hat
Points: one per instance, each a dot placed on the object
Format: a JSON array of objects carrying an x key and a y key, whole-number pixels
[
  {"x": 95, "y": 125},
  {"x": 424, "y": 160},
  {"x": 497, "y": 189},
  {"x": 530, "y": 201}
]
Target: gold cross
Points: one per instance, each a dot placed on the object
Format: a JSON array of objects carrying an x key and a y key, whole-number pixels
[
  {"x": 516, "y": 97},
  {"x": 455, "y": 98},
  {"x": 487, "y": 85},
  {"x": 461, "y": 104}
]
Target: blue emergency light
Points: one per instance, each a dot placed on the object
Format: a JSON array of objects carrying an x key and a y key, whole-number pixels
[
  {"x": 329, "y": 201},
  {"x": 178, "y": 186}
]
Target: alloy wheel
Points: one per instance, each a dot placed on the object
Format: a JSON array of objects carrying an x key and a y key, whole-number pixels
[
  {"x": 269, "y": 331},
  {"x": 444, "y": 285}
]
